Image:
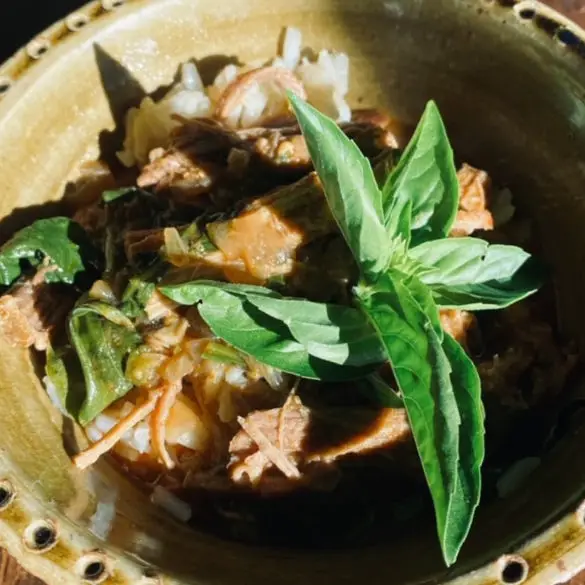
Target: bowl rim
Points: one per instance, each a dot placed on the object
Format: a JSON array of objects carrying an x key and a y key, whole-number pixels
[{"x": 554, "y": 555}]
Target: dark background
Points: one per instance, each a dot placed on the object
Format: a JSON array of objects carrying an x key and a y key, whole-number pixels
[{"x": 21, "y": 20}]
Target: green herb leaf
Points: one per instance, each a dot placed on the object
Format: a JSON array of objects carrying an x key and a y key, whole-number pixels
[
  {"x": 63, "y": 371},
  {"x": 465, "y": 499},
  {"x": 136, "y": 296},
  {"x": 426, "y": 179},
  {"x": 59, "y": 242},
  {"x": 231, "y": 315},
  {"x": 334, "y": 333},
  {"x": 115, "y": 194},
  {"x": 350, "y": 188},
  {"x": 468, "y": 273},
  {"x": 436, "y": 408},
  {"x": 102, "y": 337}
]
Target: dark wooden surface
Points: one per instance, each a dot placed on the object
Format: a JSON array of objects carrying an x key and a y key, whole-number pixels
[{"x": 30, "y": 17}]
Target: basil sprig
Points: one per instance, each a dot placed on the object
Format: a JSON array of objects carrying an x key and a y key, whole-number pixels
[
  {"x": 409, "y": 268},
  {"x": 439, "y": 384}
]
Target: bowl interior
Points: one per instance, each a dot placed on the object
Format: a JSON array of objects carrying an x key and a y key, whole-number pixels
[{"x": 513, "y": 102}]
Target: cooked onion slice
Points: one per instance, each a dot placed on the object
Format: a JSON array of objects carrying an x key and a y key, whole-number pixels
[
  {"x": 92, "y": 454},
  {"x": 159, "y": 422},
  {"x": 236, "y": 91}
]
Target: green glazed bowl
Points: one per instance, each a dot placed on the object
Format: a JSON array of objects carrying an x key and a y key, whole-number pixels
[{"x": 510, "y": 79}]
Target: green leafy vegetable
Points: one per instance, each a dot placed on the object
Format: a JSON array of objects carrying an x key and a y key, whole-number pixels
[
  {"x": 468, "y": 273},
  {"x": 59, "y": 242},
  {"x": 233, "y": 314},
  {"x": 427, "y": 379},
  {"x": 64, "y": 373},
  {"x": 102, "y": 337},
  {"x": 465, "y": 499},
  {"x": 350, "y": 187},
  {"x": 424, "y": 180},
  {"x": 136, "y": 296},
  {"x": 115, "y": 194},
  {"x": 333, "y": 333}
]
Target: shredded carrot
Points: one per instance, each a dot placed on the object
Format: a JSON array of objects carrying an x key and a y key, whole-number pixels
[
  {"x": 92, "y": 454},
  {"x": 159, "y": 422},
  {"x": 275, "y": 455},
  {"x": 236, "y": 91}
]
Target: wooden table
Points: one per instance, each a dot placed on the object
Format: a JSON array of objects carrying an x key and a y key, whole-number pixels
[{"x": 10, "y": 572}]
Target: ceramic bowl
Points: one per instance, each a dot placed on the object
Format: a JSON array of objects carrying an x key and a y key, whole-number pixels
[{"x": 509, "y": 78}]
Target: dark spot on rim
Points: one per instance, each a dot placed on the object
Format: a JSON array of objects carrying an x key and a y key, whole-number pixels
[
  {"x": 547, "y": 25},
  {"x": 44, "y": 537},
  {"x": 514, "y": 571},
  {"x": 6, "y": 495},
  {"x": 40, "y": 537},
  {"x": 78, "y": 22},
  {"x": 507, "y": 3},
  {"x": 527, "y": 13},
  {"x": 94, "y": 571},
  {"x": 571, "y": 40}
]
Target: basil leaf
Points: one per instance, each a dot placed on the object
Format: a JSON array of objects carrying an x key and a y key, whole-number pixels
[
  {"x": 233, "y": 318},
  {"x": 59, "y": 242},
  {"x": 114, "y": 194},
  {"x": 63, "y": 371},
  {"x": 350, "y": 187},
  {"x": 465, "y": 499},
  {"x": 102, "y": 337},
  {"x": 426, "y": 178},
  {"x": 434, "y": 406},
  {"x": 136, "y": 296},
  {"x": 468, "y": 273},
  {"x": 334, "y": 333}
]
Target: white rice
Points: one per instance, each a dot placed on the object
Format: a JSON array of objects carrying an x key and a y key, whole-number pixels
[
  {"x": 171, "y": 503},
  {"x": 326, "y": 81},
  {"x": 291, "y": 48},
  {"x": 137, "y": 438}
]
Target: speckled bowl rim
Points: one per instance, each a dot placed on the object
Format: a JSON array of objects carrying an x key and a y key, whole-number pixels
[{"x": 552, "y": 557}]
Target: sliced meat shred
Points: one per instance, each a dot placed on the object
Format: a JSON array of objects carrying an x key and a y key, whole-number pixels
[
  {"x": 180, "y": 172},
  {"x": 274, "y": 454},
  {"x": 473, "y": 213},
  {"x": 31, "y": 310},
  {"x": 310, "y": 439},
  {"x": 264, "y": 238},
  {"x": 205, "y": 152},
  {"x": 137, "y": 242}
]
